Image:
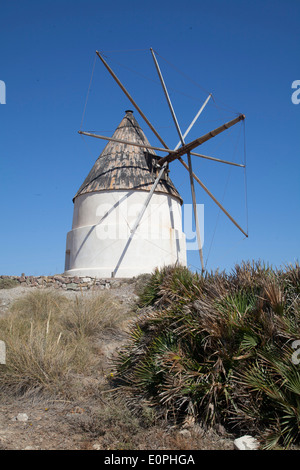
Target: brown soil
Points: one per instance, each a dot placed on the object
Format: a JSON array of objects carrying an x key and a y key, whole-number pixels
[{"x": 68, "y": 426}]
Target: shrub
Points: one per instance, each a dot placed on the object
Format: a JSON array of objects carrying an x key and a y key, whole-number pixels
[
  {"x": 7, "y": 283},
  {"x": 218, "y": 347}
]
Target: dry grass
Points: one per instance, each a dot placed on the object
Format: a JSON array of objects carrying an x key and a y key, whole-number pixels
[
  {"x": 58, "y": 372},
  {"x": 91, "y": 317},
  {"x": 8, "y": 283},
  {"x": 51, "y": 341}
]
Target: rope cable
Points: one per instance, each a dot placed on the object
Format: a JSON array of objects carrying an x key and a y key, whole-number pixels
[
  {"x": 224, "y": 107},
  {"x": 169, "y": 252},
  {"x": 125, "y": 50},
  {"x": 146, "y": 77},
  {"x": 87, "y": 96},
  {"x": 223, "y": 197},
  {"x": 232, "y": 247},
  {"x": 245, "y": 179},
  {"x": 183, "y": 74}
]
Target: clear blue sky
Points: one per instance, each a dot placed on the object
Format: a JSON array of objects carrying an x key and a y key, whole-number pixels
[{"x": 245, "y": 52}]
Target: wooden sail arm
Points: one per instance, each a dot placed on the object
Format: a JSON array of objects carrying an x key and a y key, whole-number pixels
[
  {"x": 139, "y": 218},
  {"x": 219, "y": 160},
  {"x": 195, "y": 143},
  {"x": 147, "y": 121},
  {"x": 167, "y": 97},
  {"x": 213, "y": 198},
  {"x": 126, "y": 142},
  {"x": 194, "y": 120},
  {"x": 189, "y": 158},
  {"x": 159, "y": 149},
  {"x": 131, "y": 99}
]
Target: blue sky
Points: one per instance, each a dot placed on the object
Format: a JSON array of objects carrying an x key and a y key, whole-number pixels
[{"x": 245, "y": 53}]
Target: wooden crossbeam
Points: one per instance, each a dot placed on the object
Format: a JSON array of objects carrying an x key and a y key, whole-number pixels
[
  {"x": 195, "y": 143},
  {"x": 159, "y": 149},
  {"x": 126, "y": 142},
  {"x": 188, "y": 155},
  {"x": 131, "y": 99},
  {"x": 213, "y": 198},
  {"x": 173, "y": 155}
]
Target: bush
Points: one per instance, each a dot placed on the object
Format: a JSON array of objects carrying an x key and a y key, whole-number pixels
[
  {"x": 219, "y": 347},
  {"x": 7, "y": 283}
]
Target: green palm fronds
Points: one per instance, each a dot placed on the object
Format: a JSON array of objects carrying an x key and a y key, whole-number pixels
[{"x": 218, "y": 347}]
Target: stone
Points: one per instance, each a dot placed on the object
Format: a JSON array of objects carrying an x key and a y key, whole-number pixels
[
  {"x": 97, "y": 447},
  {"x": 22, "y": 417},
  {"x": 246, "y": 443},
  {"x": 72, "y": 286},
  {"x": 185, "y": 433},
  {"x": 2, "y": 353}
]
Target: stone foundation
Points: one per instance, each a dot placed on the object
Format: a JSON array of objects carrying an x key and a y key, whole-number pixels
[{"x": 59, "y": 281}]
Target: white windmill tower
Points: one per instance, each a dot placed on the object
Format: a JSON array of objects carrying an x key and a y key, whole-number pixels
[
  {"x": 107, "y": 204},
  {"x": 127, "y": 213}
]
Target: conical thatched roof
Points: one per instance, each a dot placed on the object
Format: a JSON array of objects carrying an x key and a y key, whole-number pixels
[{"x": 124, "y": 167}]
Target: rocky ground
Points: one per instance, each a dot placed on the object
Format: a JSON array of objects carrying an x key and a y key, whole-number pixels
[
  {"x": 41, "y": 423},
  {"x": 47, "y": 425}
]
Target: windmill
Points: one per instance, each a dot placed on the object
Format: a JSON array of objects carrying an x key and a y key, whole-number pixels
[{"x": 160, "y": 181}]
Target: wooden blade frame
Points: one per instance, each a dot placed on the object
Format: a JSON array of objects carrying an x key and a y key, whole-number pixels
[
  {"x": 151, "y": 147},
  {"x": 189, "y": 159},
  {"x": 195, "y": 143},
  {"x": 185, "y": 149}
]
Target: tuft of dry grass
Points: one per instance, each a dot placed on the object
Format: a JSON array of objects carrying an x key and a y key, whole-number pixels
[
  {"x": 8, "y": 283},
  {"x": 51, "y": 341},
  {"x": 94, "y": 316}
]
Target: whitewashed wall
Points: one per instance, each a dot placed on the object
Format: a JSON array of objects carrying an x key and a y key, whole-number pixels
[{"x": 101, "y": 228}]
